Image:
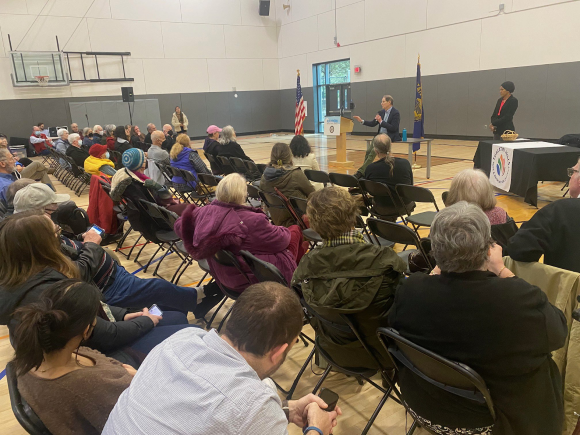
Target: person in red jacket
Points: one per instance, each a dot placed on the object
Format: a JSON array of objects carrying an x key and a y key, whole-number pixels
[{"x": 39, "y": 141}]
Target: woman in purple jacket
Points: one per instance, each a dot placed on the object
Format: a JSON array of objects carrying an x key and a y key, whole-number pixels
[{"x": 226, "y": 223}]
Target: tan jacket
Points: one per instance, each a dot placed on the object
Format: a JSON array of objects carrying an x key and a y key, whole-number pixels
[{"x": 176, "y": 124}]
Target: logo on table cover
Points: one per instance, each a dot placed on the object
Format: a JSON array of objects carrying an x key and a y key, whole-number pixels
[{"x": 500, "y": 166}]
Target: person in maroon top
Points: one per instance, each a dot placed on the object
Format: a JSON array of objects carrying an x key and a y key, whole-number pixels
[
  {"x": 39, "y": 141},
  {"x": 502, "y": 118}
]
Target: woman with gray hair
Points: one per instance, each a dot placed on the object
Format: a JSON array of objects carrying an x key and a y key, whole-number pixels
[
  {"x": 474, "y": 311},
  {"x": 472, "y": 185},
  {"x": 229, "y": 145}
]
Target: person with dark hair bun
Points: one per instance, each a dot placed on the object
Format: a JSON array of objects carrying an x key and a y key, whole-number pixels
[
  {"x": 303, "y": 157},
  {"x": 502, "y": 118},
  {"x": 71, "y": 388}
]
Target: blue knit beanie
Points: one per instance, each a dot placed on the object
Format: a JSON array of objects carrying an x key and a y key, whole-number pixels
[{"x": 133, "y": 159}]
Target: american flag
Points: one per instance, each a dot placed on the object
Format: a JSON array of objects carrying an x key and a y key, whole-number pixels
[{"x": 300, "y": 113}]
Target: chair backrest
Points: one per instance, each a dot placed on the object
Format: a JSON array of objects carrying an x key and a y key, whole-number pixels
[
  {"x": 116, "y": 158},
  {"x": 154, "y": 172},
  {"x": 343, "y": 180},
  {"x": 381, "y": 190},
  {"x": 263, "y": 270},
  {"x": 254, "y": 192},
  {"x": 299, "y": 204},
  {"x": 208, "y": 179},
  {"x": 224, "y": 161},
  {"x": 22, "y": 411},
  {"x": 167, "y": 173},
  {"x": 502, "y": 233},
  {"x": 394, "y": 232},
  {"x": 272, "y": 200},
  {"x": 261, "y": 167},
  {"x": 238, "y": 165},
  {"x": 408, "y": 193},
  {"x": 251, "y": 167},
  {"x": 317, "y": 176},
  {"x": 159, "y": 213},
  {"x": 186, "y": 175},
  {"x": 211, "y": 159},
  {"x": 226, "y": 258},
  {"x": 451, "y": 376},
  {"x": 444, "y": 196}
]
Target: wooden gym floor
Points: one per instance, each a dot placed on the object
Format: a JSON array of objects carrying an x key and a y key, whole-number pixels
[{"x": 357, "y": 402}]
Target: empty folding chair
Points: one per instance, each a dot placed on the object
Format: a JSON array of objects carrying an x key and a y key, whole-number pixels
[
  {"x": 317, "y": 176},
  {"x": 407, "y": 195},
  {"x": 239, "y": 166},
  {"x": 254, "y": 198},
  {"x": 455, "y": 378},
  {"x": 380, "y": 201},
  {"x": 344, "y": 180},
  {"x": 226, "y": 165},
  {"x": 398, "y": 234}
]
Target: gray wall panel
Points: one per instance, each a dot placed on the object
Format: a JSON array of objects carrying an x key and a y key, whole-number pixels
[
  {"x": 16, "y": 118},
  {"x": 51, "y": 111},
  {"x": 308, "y": 94},
  {"x": 241, "y": 113},
  {"x": 78, "y": 112},
  {"x": 194, "y": 106},
  {"x": 452, "y": 100},
  {"x": 562, "y": 100},
  {"x": 167, "y": 103},
  {"x": 429, "y": 85},
  {"x": 95, "y": 113},
  {"x": 218, "y": 109},
  {"x": 265, "y": 106},
  {"x": 358, "y": 92},
  {"x": 531, "y": 83},
  {"x": 288, "y": 108},
  {"x": 483, "y": 94}
]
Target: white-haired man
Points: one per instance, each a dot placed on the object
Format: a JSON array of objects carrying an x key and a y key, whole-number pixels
[{"x": 97, "y": 134}]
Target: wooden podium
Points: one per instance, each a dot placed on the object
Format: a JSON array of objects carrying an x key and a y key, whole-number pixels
[{"x": 339, "y": 126}]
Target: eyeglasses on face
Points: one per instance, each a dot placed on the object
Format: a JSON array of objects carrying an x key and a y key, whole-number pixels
[{"x": 571, "y": 171}]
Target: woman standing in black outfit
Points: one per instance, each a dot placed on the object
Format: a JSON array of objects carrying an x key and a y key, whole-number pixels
[
  {"x": 502, "y": 118},
  {"x": 388, "y": 170}
]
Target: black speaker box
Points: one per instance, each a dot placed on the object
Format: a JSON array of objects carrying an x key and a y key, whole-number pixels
[
  {"x": 265, "y": 8},
  {"x": 128, "y": 96}
]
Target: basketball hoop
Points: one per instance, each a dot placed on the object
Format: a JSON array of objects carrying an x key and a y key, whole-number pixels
[{"x": 42, "y": 80}]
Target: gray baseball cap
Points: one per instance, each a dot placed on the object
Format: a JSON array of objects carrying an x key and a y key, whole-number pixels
[{"x": 35, "y": 196}]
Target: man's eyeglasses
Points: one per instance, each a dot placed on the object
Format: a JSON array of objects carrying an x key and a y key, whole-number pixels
[{"x": 571, "y": 171}]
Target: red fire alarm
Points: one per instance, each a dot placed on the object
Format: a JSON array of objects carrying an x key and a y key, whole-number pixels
[{"x": 357, "y": 69}]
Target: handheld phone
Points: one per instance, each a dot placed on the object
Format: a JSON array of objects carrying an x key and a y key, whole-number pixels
[
  {"x": 98, "y": 230},
  {"x": 330, "y": 398},
  {"x": 154, "y": 309}
]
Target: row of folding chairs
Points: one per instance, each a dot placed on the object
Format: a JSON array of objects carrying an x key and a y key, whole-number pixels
[
  {"x": 67, "y": 172},
  {"x": 229, "y": 165},
  {"x": 403, "y": 197}
]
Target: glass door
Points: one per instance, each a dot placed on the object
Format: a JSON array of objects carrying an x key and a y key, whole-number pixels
[{"x": 331, "y": 90}]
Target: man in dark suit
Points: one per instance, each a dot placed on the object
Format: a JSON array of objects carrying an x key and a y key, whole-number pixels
[
  {"x": 502, "y": 118},
  {"x": 388, "y": 120}
]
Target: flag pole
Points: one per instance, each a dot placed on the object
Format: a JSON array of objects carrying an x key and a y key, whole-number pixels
[{"x": 416, "y": 165}]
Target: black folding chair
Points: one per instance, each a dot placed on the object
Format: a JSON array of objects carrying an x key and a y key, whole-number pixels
[
  {"x": 344, "y": 180},
  {"x": 117, "y": 158},
  {"x": 188, "y": 194},
  {"x": 453, "y": 377},
  {"x": 343, "y": 326},
  {"x": 24, "y": 414},
  {"x": 252, "y": 168},
  {"x": 502, "y": 233},
  {"x": 261, "y": 167},
  {"x": 317, "y": 176},
  {"x": 225, "y": 164},
  {"x": 398, "y": 234},
  {"x": 444, "y": 196},
  {"x": 254, "y": 198},
  {"x": 239, "y": 166},
  {"x": 299, "y": 206},
  {"x": 373, "y": 190},
  {"x": 213, "y": 163},
  {"x": 408, "y": 194}
]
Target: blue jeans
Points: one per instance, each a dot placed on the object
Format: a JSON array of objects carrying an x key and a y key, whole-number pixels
[{"x": 127, "y": 290}]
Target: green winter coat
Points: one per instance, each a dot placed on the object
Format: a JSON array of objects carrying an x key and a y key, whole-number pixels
[{"x": 354, "y": 279}]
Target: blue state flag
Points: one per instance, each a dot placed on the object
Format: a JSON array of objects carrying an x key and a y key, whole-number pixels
[{"x": 418, "y": 129}]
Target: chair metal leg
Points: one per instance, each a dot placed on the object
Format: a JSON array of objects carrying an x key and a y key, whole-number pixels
[
  {"x": 376, "y": 413},
  {"x": 169, "y": 252},
  {"x": 301, "y": 336},
  {"x": 140, "y": 250},
  {"x": 321, "y": 380},
  {"x": 131, "y": 251},
  {"x": 151, "y": 258},
  {"x": 215, "y": 313},
  {"x": 412, "y": 428},
  {"x": 182, "y": 264},
  {"x": 225, "y": 317},
  {"x": 299, "y": 375}
]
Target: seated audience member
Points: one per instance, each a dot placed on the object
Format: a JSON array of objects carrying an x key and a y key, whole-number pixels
[
  {"x": 226, "y": 223},
  {"x": 199, "y": 372},
  {"x": 211, "y": 145},
  {"x": 72, "y": 389},
  {"x": 229, "y": 145},
  {"x": 9, "y": 172},
  {"x": 109, "y": 138},
  {"x": 169, "y": 138},
  {"x": 391, "y": 171},
  {"x": 97, "y": 134},
  {"x": 122, "y": 143},
  {"x": 477, "y": 313},
  {"x": 303, "y": 157},
  {"x": 118, "y": 286},
  {"x": 22, "y": 161},
  {"x": 155, "y": 152},
  {"x": 472, "y": 185},
  {"x": 87, "y": 140},
  {"x": 183, "y": 157},
  {"x": 132, "y": 182},
  {"x": 347, "y": 275},
  {"x": 150, "y": 129},
  {"x": 552, "y": 231},
  {"x": 98, "y": 161},
  {"x": 137, "y": 138},
  {"x": 34, "y": 260},
  {"x": 39, "y": 141},
  {"x": 289, "y": 180},
  {"x": 43, "y": 129},
  {"x": 74, "y": 128},
  {"x": 77, "y": 152},
  {"x": 11, "y": 192},
  {"x": 62, "y": 143}
]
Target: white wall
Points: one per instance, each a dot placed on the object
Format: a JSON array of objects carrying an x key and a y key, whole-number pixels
[
  {"x": 176, "y": 45},
  {"x": 385, "y": 36}
]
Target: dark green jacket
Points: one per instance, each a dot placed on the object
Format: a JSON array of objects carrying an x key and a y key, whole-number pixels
[{"x": 354, "y": 279}]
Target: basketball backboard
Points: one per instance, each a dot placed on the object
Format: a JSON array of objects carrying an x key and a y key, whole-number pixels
[{"x": 26, "y": 65}]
